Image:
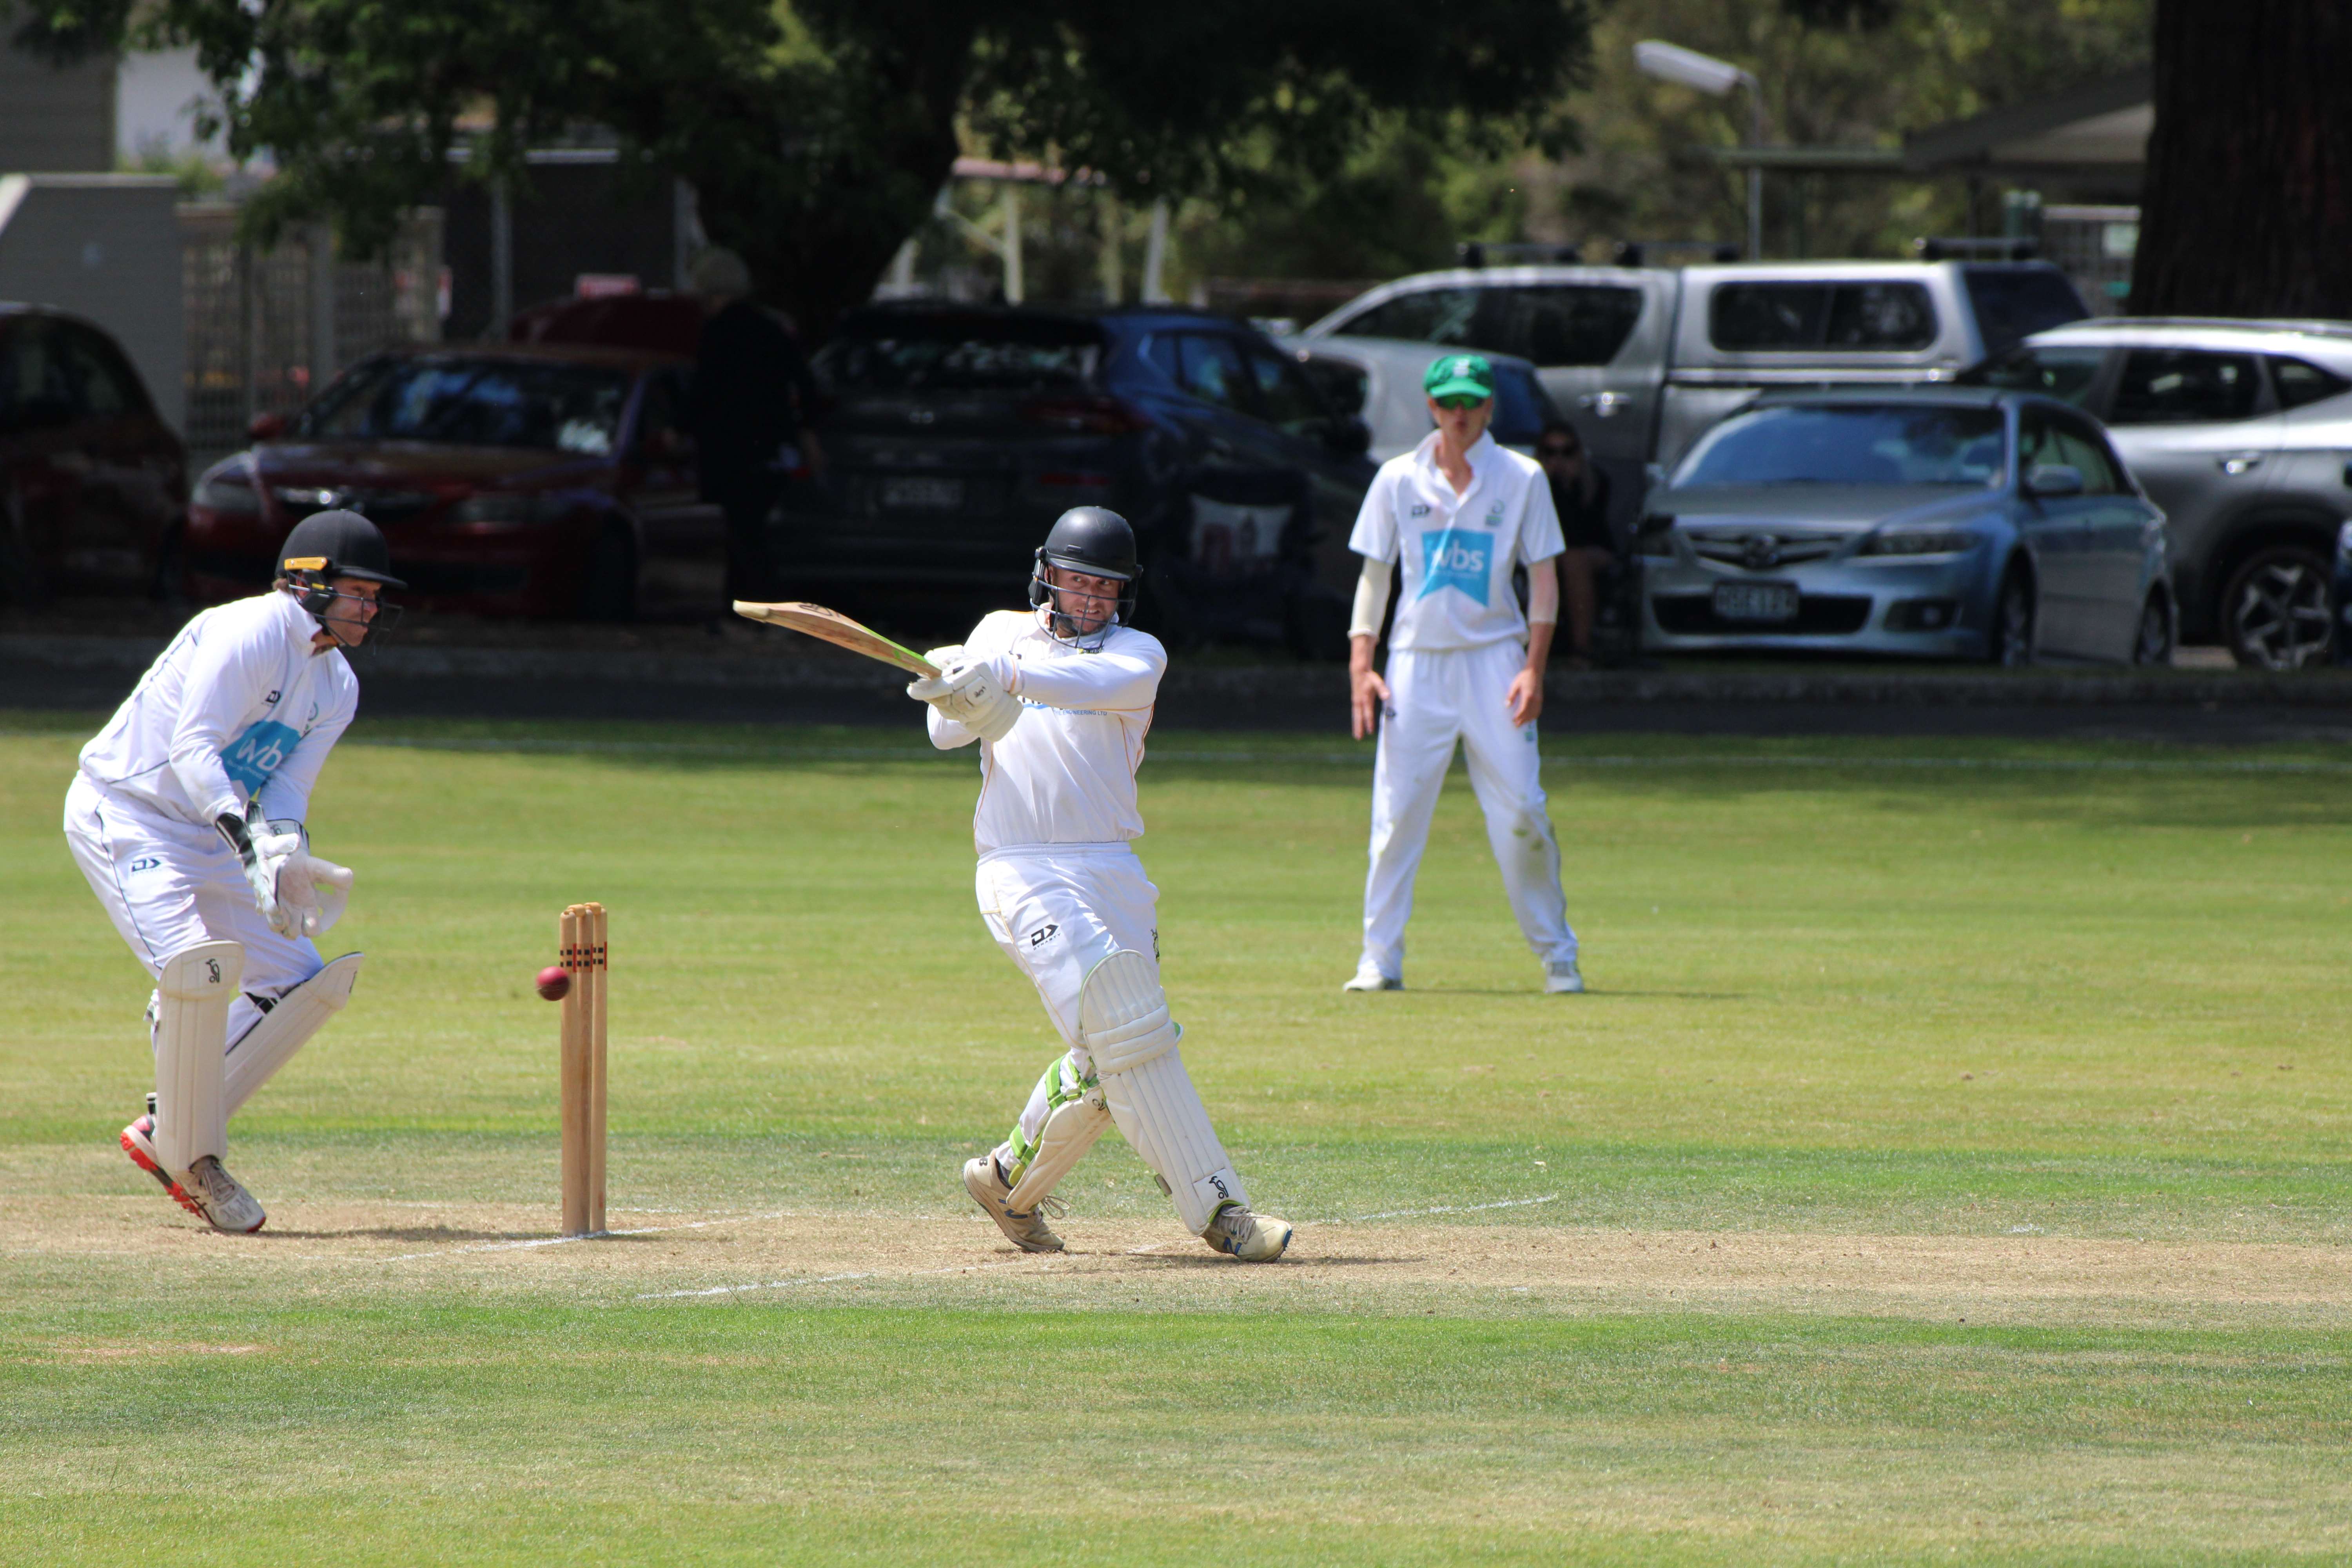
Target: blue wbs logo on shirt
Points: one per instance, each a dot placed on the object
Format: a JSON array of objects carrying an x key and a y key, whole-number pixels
[
  {"x": 1455, "y": 558},
  {"x": 253, "y": 756}
]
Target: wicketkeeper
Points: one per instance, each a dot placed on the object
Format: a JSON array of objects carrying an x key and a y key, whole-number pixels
[
  {"x": 1059, "y": 698},
  {"x": 187, "y": 817}
]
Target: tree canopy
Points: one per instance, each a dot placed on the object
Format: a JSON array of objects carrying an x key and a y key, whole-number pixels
[{"x": 817, "y": 131}]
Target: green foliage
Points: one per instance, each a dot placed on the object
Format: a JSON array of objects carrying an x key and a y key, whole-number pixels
[{"x": 818, "y": 131}]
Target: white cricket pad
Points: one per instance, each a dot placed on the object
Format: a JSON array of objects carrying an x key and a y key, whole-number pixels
[
  {"x": 1070, "y": 1129},
  {"x": 1124, "y": 1023},
  {"x": 277, "y": 1034},
  {"x": 191, "y": 997}
]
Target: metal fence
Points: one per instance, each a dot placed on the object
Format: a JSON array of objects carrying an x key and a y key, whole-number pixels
[
  {"x": 266, "y": 328},
  {"x": 2094, "y": 246}
]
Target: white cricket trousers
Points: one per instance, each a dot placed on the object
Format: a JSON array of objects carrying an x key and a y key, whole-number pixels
[
  {"x": 1058, "y": 910},
  {"x": 1434, "y": 699},
  {"x": 168, "y": 885}
]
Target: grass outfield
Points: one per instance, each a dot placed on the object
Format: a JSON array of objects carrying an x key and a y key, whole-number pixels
[{"x": 1947, "y": 1166}]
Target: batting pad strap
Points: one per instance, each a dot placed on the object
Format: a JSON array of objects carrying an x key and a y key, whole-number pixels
[
  {"x": 1123, "y": 1018},
  {"x": 277, "y": 1034}
]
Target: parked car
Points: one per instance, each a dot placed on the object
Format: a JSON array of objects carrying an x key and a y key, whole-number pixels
[
  {"x": 2241, "y": 430},
  {"x": 1944, "y": 523},
  {"x": 1380, "y": 381},
  {"x": 1644, "y": 359},
  {"x": 508, "y": 480},
  {"x": 93, "y": 484},
  {"x": 959, "y": 432}
]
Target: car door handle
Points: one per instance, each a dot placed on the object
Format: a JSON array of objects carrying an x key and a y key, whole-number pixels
[
  {"x": 2236, "y": 463},
  {"x": 1603, "y": 405}
]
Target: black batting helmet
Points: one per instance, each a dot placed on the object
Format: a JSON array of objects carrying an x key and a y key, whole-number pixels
[
  {"x": 1094, "y": 540},
  {"x": 329, "y": 544}
]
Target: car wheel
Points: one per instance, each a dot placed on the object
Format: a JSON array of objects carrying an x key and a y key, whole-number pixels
[
  {"x": 2011, "y": 643},
  {"x": 2152, "y": 644},
  {"x": 608, "y": 591},
  {"x": 2276, "y": 613}
]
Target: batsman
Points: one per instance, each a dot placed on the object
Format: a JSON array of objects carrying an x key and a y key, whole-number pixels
[
  {"x": 1058, "y": 699},
  {"x": 187, "y": 818}
]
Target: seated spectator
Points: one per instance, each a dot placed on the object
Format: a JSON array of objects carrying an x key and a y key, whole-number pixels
[{"x": 1580, "y": 493}]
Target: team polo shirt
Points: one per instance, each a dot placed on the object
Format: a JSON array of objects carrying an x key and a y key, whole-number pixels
[{"x": 1455, "y": 553}]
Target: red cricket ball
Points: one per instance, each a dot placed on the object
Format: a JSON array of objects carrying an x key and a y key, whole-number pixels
[{"x": 554, "y": 982}]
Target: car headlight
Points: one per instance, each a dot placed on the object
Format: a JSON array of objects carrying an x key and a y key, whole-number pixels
[
  {"x": 227, "y": 491},
  {"x": 1654, "y": 536},
  {"x": 1919, "y": 541},
  {"x": 507, "y": 509}
]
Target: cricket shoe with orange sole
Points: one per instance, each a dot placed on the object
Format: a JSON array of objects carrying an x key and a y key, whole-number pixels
[{"x": 206, "y": 1191}]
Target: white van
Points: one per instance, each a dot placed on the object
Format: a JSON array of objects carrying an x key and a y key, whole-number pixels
[{"x": 1644, "y": 359}]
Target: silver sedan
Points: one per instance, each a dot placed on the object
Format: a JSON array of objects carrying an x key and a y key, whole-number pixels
[{"x": 1954, "y": 523}]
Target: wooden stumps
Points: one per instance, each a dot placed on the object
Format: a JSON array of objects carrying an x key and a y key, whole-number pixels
[{"x": 581, "y": 1068}]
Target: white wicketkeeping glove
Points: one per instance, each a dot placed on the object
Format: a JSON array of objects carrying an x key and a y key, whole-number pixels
[
  {"x": 969, "y": 692},
  {"x": 311, "y": 893}
]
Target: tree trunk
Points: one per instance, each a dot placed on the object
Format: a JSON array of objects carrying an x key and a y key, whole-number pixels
[{"x": 2247, "y": 205}]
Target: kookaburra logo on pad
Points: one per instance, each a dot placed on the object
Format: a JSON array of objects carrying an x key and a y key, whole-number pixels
[{"x": 212, "y": 970}]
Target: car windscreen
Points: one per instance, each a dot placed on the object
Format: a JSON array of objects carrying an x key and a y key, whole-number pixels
[
  {"x": 1835, "y": 317},
  {"x": 462, "y": 401},
  {"x": 1859, "y": 444},
  {"x": 920, "y": 354},
  {"x": 2012, "y": 303}
]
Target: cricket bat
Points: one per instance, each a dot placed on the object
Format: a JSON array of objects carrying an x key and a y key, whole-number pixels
[{"x": 839, "y": 630}]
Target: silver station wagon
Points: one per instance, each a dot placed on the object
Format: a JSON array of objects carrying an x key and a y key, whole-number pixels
[{"x": 1950, "y": 522}]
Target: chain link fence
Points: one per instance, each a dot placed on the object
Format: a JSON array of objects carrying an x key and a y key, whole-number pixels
[{"x": 267, "y": 329}]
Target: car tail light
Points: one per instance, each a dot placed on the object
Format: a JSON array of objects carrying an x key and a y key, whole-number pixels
[{"x": 1096, "y": 415}]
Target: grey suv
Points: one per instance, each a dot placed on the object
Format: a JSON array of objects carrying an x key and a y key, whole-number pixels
[{"x": 2241, "y": 430}]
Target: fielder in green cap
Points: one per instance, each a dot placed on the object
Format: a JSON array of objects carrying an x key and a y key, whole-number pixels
[{"x": 1447, "y": 523}]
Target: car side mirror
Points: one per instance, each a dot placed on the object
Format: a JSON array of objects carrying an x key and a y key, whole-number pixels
[
  {"x": 2052, "y": 479},
  {"x": 1349, "y": 436},
  {"x": 266, "y": 427}
]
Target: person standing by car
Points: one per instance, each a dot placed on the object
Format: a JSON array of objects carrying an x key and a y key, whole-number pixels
[
  {"x": 1580, "y": 494},
  {"x": 1459, "y": 512},
  {"x": 752, "y": 397}
]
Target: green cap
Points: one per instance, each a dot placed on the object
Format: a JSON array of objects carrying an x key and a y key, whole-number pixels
[{"x": 1460, "y": 375}]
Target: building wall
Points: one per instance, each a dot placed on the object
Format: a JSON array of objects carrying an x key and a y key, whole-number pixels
[
  {"x": 106, "y": 248},
  {"x": 54, "y": 120}
]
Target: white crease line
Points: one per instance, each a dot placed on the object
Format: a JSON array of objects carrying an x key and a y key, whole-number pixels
[{"x": 1449, "y": 1208}]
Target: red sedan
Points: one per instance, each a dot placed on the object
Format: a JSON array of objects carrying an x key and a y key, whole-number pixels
[{"x": 509, "y": 480}]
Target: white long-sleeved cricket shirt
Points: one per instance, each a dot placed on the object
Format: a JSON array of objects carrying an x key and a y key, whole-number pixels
[
  {"x": 1066, "y": 773},
  {"x": 240, "y": 705}
]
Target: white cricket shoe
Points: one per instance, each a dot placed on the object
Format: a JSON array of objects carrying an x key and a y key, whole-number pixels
[
  {"x": 1560, "y": 976},
  {"x": 1369, "y": 978},
  {"x": 205, "y": 1189},
  {"x": 1252, "y": 1237},
  {"x": 1026, "y": 1231}
]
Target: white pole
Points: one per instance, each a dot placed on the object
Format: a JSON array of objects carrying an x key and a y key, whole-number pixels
[
  {"x": 1155, "y": 257},
  {"x": 1012, "y": 203}
]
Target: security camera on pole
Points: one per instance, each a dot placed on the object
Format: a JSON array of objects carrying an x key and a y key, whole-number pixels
[{"x": 1715, "y": 78}]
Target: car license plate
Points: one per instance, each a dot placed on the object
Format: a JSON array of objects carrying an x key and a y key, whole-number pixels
[
  {"x": 922, "y": 494},
  {"x": 1756, "y": 601}
]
